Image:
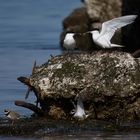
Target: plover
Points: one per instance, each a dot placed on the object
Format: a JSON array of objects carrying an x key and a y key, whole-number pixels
[
  {"x": 69, "y": 42},
  {"x": 102, "y": 38},
  {"x": 11, "y": 115}
]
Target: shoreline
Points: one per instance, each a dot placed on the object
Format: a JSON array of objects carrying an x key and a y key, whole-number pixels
[{"x": 38, "y": 127}]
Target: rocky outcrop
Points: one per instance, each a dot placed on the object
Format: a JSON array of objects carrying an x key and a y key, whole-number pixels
[
  {"x": 99, "y": 85},
  {"x": 102, "y": 10},
  {"x": 108, "y": 83},
  {"x": 78, "y": 17}
]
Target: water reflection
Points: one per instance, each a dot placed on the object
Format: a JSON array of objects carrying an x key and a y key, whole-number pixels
[{"x": 83, "y": 136}]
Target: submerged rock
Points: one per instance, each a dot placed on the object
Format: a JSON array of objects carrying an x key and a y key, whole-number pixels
[{"x": 108, "y": 82}]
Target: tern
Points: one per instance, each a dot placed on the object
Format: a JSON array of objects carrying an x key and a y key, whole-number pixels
[
  {"x": 103, "y": 38},
  {"x": 79, "y": 111},
  {"x": 69, "y": 42}
]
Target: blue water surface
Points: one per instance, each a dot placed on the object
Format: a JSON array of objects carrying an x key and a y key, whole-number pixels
[{"x": 29, "y": 31}]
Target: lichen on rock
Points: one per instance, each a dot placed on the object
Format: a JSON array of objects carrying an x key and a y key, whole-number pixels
[{"x": 108, "y": 82}]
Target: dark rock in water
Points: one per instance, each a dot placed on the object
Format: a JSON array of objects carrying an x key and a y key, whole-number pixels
[
  {"x": 131, "y": 36},
  {"x": 131, "y": 33},
  {"x": 78, "y": 17},
  {"x": 136, "y": 54},
  {"x": 107, "y": 81}
]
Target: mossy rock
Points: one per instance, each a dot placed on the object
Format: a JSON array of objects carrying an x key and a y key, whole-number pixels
[{"x": 107, "y": 81}]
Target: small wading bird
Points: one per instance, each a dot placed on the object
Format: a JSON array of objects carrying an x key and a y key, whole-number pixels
[
  {"x": 102, "y": 39},
  {"x": 11, "y": 115}
]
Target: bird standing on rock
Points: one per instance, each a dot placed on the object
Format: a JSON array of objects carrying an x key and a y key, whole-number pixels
[
  {"x": 11, "y": 115},
  {"x": 102, "y": 38},
  {"x": 79, "y": 111}
]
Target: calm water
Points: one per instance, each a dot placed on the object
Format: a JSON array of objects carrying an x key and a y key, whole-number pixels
[
  {"x": 29, "y": 31},
  {"x": 82, "y": 136}
]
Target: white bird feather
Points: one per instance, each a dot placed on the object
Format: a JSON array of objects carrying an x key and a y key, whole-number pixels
[
  {"x": 69, "y": 42},
  {"x": 79, "y": 111},
  {"x": 102, "y": 38}
]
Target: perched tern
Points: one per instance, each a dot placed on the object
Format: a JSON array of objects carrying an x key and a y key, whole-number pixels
[
  {"x": 79, "y": 111},
  {"x": 69, "y": 42},
  {"x": 80, "y": 41},
  {"x": 103, "y": 38}
]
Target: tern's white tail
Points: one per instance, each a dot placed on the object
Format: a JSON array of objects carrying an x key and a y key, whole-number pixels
[{"x": 116, "y": 46}]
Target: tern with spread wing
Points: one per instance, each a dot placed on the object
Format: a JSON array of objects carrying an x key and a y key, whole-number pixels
[{"x": 103, "y": 38}]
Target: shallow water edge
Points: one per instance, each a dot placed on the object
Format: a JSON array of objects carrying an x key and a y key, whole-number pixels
[{"x": 42, "y": 127}]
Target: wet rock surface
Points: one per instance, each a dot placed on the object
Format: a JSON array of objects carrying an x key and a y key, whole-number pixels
[
  {"x": 40, "y": 127},
  {"x": 107, "y": 81}
]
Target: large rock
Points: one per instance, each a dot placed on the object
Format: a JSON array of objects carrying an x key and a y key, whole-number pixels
[
  {"x": 107, "y": 81},
  {"x": 132, "y": 32},
  {"x": 78, "y": 17},
  {"x": 104, "y": 73},
  {"x": 103, "y": 10}
]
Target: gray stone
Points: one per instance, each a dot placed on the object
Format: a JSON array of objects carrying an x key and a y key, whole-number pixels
[
  {"x": 105, "y": 73},
  {"x": 107, "y": 81},
  {"x": 103, "y": 10}
]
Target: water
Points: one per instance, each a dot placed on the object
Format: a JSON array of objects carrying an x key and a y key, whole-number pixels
[
  {"x": 83, "y": 136},
  {"x": 29, "y": 31}
]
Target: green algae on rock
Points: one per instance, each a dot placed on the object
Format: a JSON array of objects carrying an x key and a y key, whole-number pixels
[{"x": 107, "y": 81}]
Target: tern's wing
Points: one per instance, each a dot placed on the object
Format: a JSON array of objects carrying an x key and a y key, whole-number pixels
[
  {"x": 80, "y": 106},
  {"x": 109, "y": 27}
]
